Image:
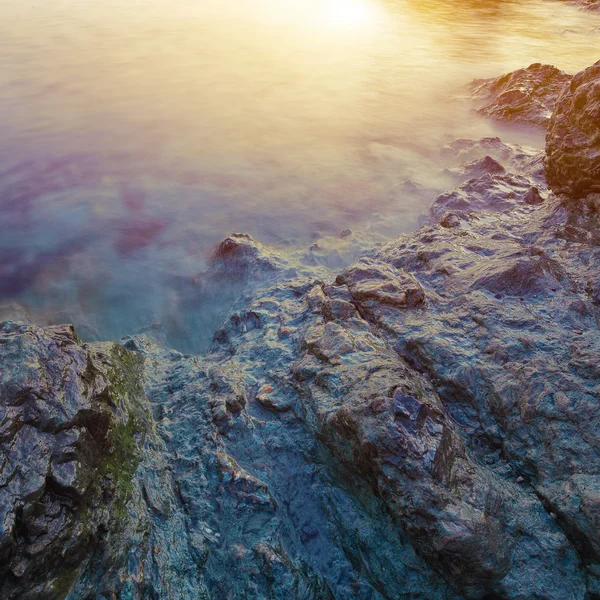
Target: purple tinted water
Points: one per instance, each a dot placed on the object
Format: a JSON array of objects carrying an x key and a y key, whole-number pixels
[{"x": 134, "y": 135}]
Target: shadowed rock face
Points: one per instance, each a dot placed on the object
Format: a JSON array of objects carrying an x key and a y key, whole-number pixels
[
  {"x": 69, "y": 414},
  {"x": 526, "y": 96},
  {"x": 86, "y": 495},
  {"x": 573, "y": 139}
]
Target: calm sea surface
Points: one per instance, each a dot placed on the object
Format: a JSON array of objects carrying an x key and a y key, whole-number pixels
[{"x": 136, "y": 134}]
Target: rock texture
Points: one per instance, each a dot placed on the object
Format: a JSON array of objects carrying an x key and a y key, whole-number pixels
[
  {"x": 422, "y": 424},
  {"x": 82, "y": 473},
  {"x": 573, "y": 138},
  {"x": 593, "y": 5},
  {"x": 239, "y": 257},
  {"x": 69, "y": 420},
  {"x": 526, "y": 96}
]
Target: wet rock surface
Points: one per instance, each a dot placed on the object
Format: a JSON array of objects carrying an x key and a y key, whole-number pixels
[
  {"x": 69, "y": 450},
  {"x": 422, "y": 424},
  {"x": 240, "y": 257},
  {"x": 87, "y": 496},
  {"x": 495, "y": 193},
  {"x": 526, "y": 96},
  {"x": 573, "y": 139}
]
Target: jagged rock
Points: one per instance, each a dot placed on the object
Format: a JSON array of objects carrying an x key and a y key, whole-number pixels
[
  {"x": 69, "y": 419},
  {"x": 88, "y": 501},
  {"x": 386, "y": 424},
  {"x": 477, "y": 168},
  {"x": 240, "y": 257},
  {"x": 573, "y": 138},
  {"x": 451, "y": 220},
  {"x": 249, "y": 491},
  {"x": 275, "y": 520},
  {"x": 271, "y": 400},
  {"x": 423, "y": 426},
  {"x": 509, "y": 374},
  {"x": 526, "y": 96},
  {"x": 495, "y": 193},
  {"x": 440, "y": 412},
  {"x": 288, "y": 579},
  {"x": 371, "y": 283},
  {"x": 403, "y": 452},
  {"x": 533, "y": 197}
]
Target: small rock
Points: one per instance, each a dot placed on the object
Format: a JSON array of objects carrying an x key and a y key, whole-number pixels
[{"x": 533, "y": 197}]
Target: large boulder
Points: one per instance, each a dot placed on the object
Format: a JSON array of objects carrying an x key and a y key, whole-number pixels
[
  {"x": 479, "y": 528},
  {"x": 573, "y": 138}
]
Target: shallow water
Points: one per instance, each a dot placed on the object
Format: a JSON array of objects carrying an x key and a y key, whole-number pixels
[{"x": 135, "y": 134}]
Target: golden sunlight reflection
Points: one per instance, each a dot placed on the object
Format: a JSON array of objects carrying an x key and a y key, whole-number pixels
[
  {"x": 348, "y": 14},
  {"x": 136, "y": 134}
]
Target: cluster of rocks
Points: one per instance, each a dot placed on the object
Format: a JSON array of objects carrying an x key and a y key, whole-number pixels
[
  {"x": 567, "y": 107},
  {"x": 424, "y": 424},
  {"x": 526, "y": 96}
]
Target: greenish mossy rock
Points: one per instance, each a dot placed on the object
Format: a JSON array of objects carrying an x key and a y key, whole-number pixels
[{"x": 74, "y": 419}]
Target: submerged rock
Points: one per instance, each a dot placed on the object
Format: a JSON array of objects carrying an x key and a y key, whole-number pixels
[
  {"x": 466, "y": 158},
  {"x": 573, "y": 139},
  {"x": 526, "y": 96},
  {"x": 464, "y": 150}
]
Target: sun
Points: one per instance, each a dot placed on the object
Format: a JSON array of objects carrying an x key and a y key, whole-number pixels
[{"x": 347, "y": 14}]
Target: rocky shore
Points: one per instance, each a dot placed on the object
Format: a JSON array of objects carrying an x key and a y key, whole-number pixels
[{"x": 424, "y": 424}]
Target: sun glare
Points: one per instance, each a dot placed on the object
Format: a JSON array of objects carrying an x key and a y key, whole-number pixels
[{"x": 348, "y": 14}]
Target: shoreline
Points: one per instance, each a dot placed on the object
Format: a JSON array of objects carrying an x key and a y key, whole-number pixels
[{"x": 423, "y": 425}]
